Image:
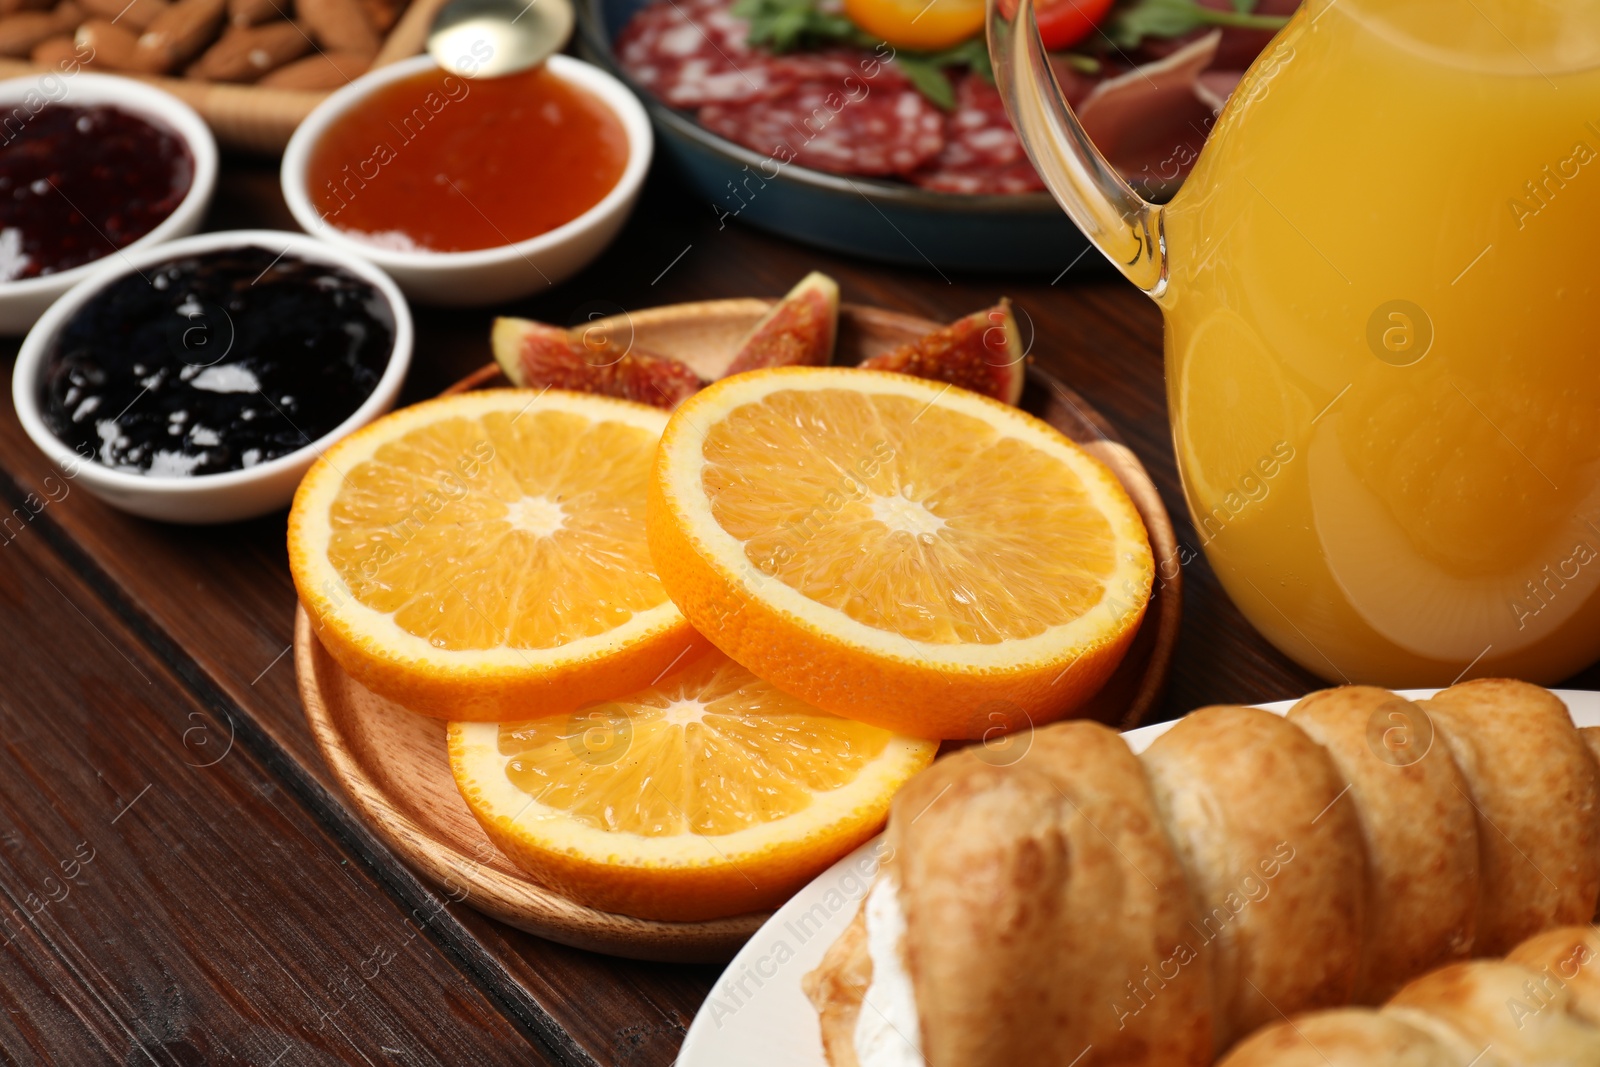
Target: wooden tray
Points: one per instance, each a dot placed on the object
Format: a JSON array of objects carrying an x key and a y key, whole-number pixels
[
  {"x": 249, "y": 118},
  {"x": 392, "y": 762}
]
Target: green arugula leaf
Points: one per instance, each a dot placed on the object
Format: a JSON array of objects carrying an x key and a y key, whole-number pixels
[
  {"x": 973, "y": 53},
  {"x": 928, "y": 78},
  {"x": 792, "y": 25},
  {"x": 1135, "y": 21}
]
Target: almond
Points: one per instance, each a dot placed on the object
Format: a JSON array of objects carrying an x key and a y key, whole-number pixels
[
  {"x": 244, "y": 54},
  {"x": 383, "y": 14},
  {"x": 21, "y": 33},
  {"x": 255, "y": 12},
  {"x": 324, "y": 70},
  {"x": 58, "y": 52},
  {"x": 339, "y": 25},
  {"x": 179, "y": 33},
  {"x": 113, "y": 47},
  {"x": 135, "y": 15}
]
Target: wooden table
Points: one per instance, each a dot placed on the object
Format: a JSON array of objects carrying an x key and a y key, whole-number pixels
[{"x": 182, "y": 882}]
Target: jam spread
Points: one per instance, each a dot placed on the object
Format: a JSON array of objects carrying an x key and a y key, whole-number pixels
[
  {"x": 78, "y": 183},
  {"x": 215, "y": 362}
]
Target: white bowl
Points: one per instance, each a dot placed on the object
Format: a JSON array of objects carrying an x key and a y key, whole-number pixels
[
  {"x": 489, "y": 275},
  {"x": 22, "y": 301},
  {"x": 203, "y": 498}
]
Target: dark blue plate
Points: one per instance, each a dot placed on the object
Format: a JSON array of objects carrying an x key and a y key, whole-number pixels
[{"x": 890, "y": 221}]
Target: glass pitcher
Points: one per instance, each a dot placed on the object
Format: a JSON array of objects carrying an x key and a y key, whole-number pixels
[{"x": 1382, "y": 328}]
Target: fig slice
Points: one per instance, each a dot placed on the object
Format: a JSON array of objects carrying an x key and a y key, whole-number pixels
[
  {"x": 535, "y": 355},
  {"x": 799, "y": 331},
  {"x": 982, "y": 352}
]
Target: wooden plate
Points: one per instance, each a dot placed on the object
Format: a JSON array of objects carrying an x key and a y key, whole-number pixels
[{"x": 392, "y": 762}]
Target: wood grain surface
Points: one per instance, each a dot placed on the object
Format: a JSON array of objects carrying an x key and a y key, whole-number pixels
[
  {"x": 225, "y": 907},
  {"x": 163, "y": 898}
]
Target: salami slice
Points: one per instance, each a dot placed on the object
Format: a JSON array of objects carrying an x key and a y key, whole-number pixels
[
  {"x": 694, "y": 52},
  {"x": 837, "y": 65},
  {"x": 853, "y": 125},
  {"x": 981, "y": 152}
]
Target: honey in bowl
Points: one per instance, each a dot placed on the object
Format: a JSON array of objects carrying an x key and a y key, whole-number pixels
[{"x": 440, "y": 163}]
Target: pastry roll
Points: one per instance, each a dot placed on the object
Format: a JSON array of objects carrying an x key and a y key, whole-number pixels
[
  {"x": 1478, "y": 1000},
  {"x": 1535, "y": 791},
  {"x": 1421, "y": 838},
  {"x": 1079, "y": 906},
  {"x": 1046, "y": 913},
  {"x": 1274, "y": 859},
  {"x": 1568, "y": 957},
  {"x": 1347, "y": 1037},
  {"x": 1536, "y": 1008}
]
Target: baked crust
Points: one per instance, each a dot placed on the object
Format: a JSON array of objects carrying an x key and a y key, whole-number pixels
[
  {"x": 1535, "y": 790},
  {"x": 1421, "y": 840},
  {"x": 1346, "y": 1037},
  {"x": 1569, "y": 957},
  {"x": 1045, "y": 910},
  {"x": 1476, "y": 999},
  {"x": 1536, "y": 1008},
  {"x": 1274, "y": 858}
]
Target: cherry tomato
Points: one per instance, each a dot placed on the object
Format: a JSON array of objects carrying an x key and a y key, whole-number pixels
[
  {"x": 918, "y": 25},
  {"x": 1063, "y": 23}
]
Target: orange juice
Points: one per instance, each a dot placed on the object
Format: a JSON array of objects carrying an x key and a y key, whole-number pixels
[{"x": 1383, "y": 368}]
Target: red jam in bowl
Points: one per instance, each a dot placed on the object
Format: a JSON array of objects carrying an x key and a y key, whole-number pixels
[
  {"x": 78, "y": 183},
  {"x": 440, "y": 163}
]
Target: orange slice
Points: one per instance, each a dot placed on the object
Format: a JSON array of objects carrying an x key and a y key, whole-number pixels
[
  {"x": 895, "y": 550},
  {"x": 710, "y": 793},
  {"x": 483, "y": 556}
]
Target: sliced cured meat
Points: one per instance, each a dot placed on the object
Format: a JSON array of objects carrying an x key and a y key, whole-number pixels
[
  {"x": 694, "y": 52},
  {"x": 1075, "y": 84},
  {"x": 1149, "y": 122},
  {"x": 1213, "y": 87},
  {"x": 837, "y": 65},
  {"x": 853, "y": 125},
  {"x": 1238, "y": 47},
  {"x": 981, "y": 151},
  {"x": 678, "y": 29},
  {"x": 852, "y": 111}
]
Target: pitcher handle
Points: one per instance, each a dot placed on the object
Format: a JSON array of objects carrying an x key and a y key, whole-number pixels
[{"x": 1120, "y": 222}]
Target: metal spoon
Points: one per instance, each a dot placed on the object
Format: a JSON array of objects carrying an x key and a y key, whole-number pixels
[{"x": 493, "y": 38}]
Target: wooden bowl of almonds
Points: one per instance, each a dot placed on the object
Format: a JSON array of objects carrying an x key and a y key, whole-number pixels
[{"x": 253, "y": 68}]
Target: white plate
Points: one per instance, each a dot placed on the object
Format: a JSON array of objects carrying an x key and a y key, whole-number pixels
[{"x": 756, "y": 1012}]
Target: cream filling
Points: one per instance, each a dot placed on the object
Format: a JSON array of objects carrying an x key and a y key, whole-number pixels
[{"x": 888, "y": 1030}]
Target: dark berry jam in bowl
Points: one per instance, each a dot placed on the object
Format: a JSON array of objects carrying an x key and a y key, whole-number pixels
[
  {"x": 198, "y": 380},
  {"x": 92, "y": 167}
]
